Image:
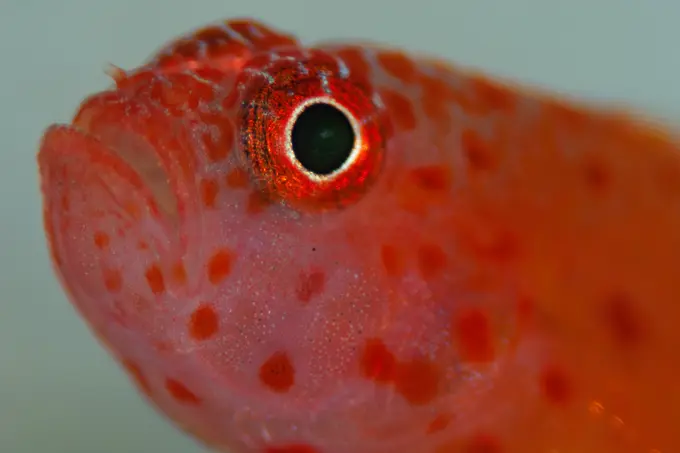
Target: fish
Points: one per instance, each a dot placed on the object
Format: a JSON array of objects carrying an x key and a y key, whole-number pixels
[{"x": 347, "y": 247}]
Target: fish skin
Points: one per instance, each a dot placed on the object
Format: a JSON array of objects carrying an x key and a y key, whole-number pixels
[{"x": 494, "y": 273}]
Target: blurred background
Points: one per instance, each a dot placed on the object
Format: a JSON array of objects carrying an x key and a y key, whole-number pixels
[{"x": 59, "y": 391}]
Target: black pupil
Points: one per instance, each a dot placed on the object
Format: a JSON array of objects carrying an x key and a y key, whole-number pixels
[{"x": 322, "y": 138}]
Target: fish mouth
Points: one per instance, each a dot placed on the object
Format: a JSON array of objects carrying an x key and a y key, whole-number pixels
[
  {"x": 105, "y": 122},
  {"x": 140, "y": 156}
]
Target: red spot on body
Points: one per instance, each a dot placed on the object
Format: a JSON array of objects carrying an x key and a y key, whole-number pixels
[
  {"x": 476, "y": 151},
  {"x": 293, "y": 448},
  {"x": 113, "y": 280},
  {"x": 219, "y": 266},
  {"x": 309, "y": 285},
  {"x": 491, "y": 96},
  {"x": 400, "y": 109},
  {"x": 237, "y": 178},
  {"x": 472, "y": 333},
  {"x": 65, "y": 203},
  {"x": 435, "y": 103},
  {"x": 525, "y": 314},
  {"x": 180, "y": 392},
  {"x": 257, "y": 202},
  {"x": 398, "y": 66},
  {"x": 138, "y": 376},
  {"x": 623, "y": 322},
  {"x": 417, "y": 381},
  {"x": 377, "y": 362},
  {"x": 502, "y": 248},
  {"x": 218, "y": 145},
  {"x": 179, "y": 273},
  {"x": 101, "y": 239},
  {"x": 154, "y": 278},
  {"x": 391, "y": 259},
  {"x": 359, "y": 69},
  {"x": 188, "y": 48},
  {"x": 277, "y": 372},
  {"x": 203, "y": 323},
  {"x": 596, "y": 177},
  {"x": 432, "y": 178},
  {"x": 431, "y": 260},
  {"x": 439, "y": 423},
  {"x": 555, "y": 385},
  {"x": 209, "y": 190},
  {"x": 483, "y": 443}
]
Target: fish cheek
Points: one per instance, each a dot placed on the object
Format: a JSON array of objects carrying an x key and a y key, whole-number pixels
[{"x": 106, "y": 232}]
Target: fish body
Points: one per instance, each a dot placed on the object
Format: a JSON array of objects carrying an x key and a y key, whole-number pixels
[{"x": 345, "y": 248}]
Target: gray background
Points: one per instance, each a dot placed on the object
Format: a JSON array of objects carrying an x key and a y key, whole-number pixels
[{"x": 59, "y": 392}]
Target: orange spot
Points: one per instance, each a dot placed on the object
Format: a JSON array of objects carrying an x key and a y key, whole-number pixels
[
  {"x": 624, "y": 324},
  {"x": 431, "y": 260},
  {"x": 377, "y": 362},
  {"x": 439, "y": 423},
  {"x": 203, "y": 323},
  {"x": 237, "y": 178},
  {"x": 101, "y": 239},
  {"x": 392, "y": 261},
  {"x": 293, "y": 448},
  {"x": 432, "y": 178},
  {"x": 209, "y": 189},
  {"x": 143, "y": 245},
  {"x": 113, "y": 280},
  {"x": 400, "y": 109},
  {"x": 257, "y": 202},
  {"x": 138, "y": 376},
  {"x": 154, "y": 278},
  {"x": 219, "y": 266},
  {"x": 278, "y": 372},
  {"x": 472, "y": 332},
  {"x": 398, "y": 65},
  {"x": 476, "y": 151},
  {"x": 417, "y": 381},
  {"x": 555, "y": 385},
  {"x": 180, "y": 392},
  {"x": 179, "y": 273},
  {"x": 310, "y": 285}
]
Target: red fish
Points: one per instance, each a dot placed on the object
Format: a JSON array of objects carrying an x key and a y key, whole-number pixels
[{"x": 344, "y": 248}]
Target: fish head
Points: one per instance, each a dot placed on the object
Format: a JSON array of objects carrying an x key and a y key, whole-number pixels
[{"x": 347, "y": 248}]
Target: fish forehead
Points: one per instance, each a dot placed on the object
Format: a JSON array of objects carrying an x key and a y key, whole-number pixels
[{"x": 506, "y": 284}]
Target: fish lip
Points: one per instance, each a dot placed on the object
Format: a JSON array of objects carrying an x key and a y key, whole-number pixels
[{"x": 127, "y": 145}]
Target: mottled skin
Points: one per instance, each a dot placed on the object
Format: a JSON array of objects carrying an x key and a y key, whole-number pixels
[{"x": 499, "y": 275}]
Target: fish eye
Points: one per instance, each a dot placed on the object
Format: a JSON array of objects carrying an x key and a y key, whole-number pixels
[
  {"x": 323, "y": 138},
  {"x": 312, "y": 137}
]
